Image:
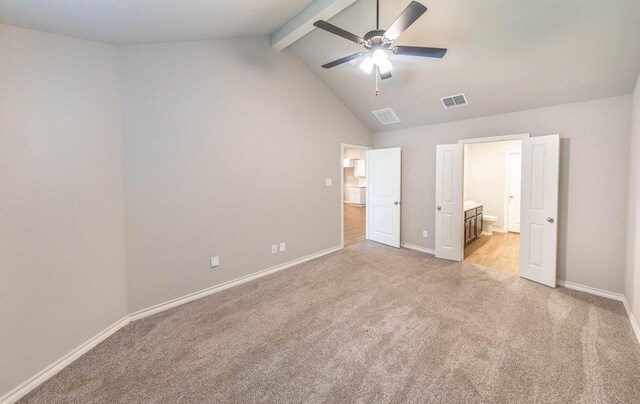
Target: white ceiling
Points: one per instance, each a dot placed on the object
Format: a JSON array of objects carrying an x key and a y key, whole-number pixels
[
  {"x": 505, "y": 55},
  {"x": 126, "y": 22}
]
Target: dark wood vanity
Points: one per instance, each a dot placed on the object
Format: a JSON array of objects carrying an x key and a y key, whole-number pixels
[{"x": 472, "y": 223}]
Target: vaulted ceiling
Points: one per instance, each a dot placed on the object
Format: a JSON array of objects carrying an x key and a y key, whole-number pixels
[
  {"x": 504, "y": 55},
  {"x": 126, "y": 22}
]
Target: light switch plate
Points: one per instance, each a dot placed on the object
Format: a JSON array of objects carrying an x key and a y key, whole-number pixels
[
  {"x": 215, "y": 261},
  {"x": 274, "y": 248},
  {"x": 425, "y": 234},
  {"x": 282, "y": 247},
  {"x": 328, "y": 181}
]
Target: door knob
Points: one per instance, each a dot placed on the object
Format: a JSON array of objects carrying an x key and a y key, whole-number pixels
[
  {"x": 396, "y": 203},
  {"x": 550, "y": 220},
  {"x": 511, "y": 196},
  {"x": 439, "y": 208}
]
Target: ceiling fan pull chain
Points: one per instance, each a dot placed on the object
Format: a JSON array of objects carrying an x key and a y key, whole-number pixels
[{"x": 377, "y": 73}]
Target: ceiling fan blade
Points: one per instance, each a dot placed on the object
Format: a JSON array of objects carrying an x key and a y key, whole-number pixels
[
  {"x": 338, "y": 31},
  {"x": 343, "y": 60},
  {"x": 384, "y": 76},
  {"x": 419, "y": 51},
  {"x": 410, "y": 14}
]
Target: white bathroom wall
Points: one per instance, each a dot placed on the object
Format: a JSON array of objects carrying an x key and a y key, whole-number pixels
[{"x": 484, "y": 181}]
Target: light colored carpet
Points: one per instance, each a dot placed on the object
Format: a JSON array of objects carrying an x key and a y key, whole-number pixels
[{"x": 368, "y": 324}]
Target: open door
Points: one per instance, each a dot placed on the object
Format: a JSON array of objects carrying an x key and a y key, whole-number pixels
[
  {"x": 539, "y": 208},
  {"x": 449, "y": 223},
  {"x": 383, "y": 196}
]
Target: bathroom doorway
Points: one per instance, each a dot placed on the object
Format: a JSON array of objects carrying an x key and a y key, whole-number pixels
[
  {"x": 491, "y": 195},
  {"x": 354, "y": 194}
]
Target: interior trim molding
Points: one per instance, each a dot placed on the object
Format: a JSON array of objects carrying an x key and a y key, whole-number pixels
[
  {"x": 634, "y": 323},
  {"x": 490, "y": 139},
  {"x": 418, "y": 248},
  {"x": 45, "y": 374},
  {"x": 590, "y": 290},
  {"x": 219, "y": 288},
  {"x": 48, "y": 372},
  {"x": 610, "y": 295}
]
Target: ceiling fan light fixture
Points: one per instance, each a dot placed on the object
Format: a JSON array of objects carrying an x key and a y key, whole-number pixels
[
  {"x": 379, "y": 42},
  {"x": 380, "y": 57},
  {"x": 367, "y": 65},
  {"x": 385, "y": 66}
]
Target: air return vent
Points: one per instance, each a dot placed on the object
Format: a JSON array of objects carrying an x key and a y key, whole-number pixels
[
  {"x": 386, "y": 116},
  {"x": 454, "y": 101}
]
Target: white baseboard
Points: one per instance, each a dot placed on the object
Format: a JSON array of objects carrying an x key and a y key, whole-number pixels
[
  {"x": 418, "y": 248},
  {"x": 20, "y": 391},
  {"x": 42, "y": 376},
  {"x": 218, "y": 288},
  {"x": 590, "y": 290},
  {"x": 495, "y": 230},
  {"x": 610, "y": 295},
  {"x": 634, "y": 323}
]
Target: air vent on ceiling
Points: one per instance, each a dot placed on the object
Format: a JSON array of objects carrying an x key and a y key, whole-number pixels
[
  {"x": 454, "y": 101},
  {"x": 386, "y": 116}
]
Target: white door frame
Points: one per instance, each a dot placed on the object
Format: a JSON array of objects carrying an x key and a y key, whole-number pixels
[
  {"x": 507, "y": 181},
  {"x": 493, "y": 139},
  {"x": 342, "y": 147}
]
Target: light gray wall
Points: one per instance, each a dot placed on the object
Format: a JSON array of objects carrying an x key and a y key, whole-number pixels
[
  {"x": 593, "y": 180},
  {"x": 632, "y": 275},
  {"x": 485, "y": 177},
  {"x": 227, "y": 145},
  {"x": 62, "y": 262}
]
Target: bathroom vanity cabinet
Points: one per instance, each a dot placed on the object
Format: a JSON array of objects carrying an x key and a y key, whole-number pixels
[{"x": 472, "y": 223}]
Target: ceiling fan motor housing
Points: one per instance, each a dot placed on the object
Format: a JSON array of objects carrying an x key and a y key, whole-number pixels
[{"x": 375, "y": 39}]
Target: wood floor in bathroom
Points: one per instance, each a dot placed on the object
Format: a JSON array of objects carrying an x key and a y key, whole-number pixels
[{"x": 500, "y": 251}]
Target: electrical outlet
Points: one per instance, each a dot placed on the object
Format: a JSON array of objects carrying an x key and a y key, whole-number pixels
[
  {"x": 282, "y": 247},
  {"x": 274, "y": 248},
  {"x": 425, "y": 234},
  {"x": 215, "y": 261}
]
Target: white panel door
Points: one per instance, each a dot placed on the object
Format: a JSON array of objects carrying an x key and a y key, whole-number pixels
[
  {"x": 449, "y": 223},
  {"x": 539, "y": 227},
  {"x": 383, "y": 196},
  {"x": 513, "y": 191}
]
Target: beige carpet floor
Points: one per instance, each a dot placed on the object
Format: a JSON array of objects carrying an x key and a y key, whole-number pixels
[{"x": 367, "y": 324}]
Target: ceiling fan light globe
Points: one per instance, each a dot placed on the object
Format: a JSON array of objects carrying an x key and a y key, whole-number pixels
[
  {"x": 385, "y": 67},
  {"x": 379, "y": 57},
  {"x": 367, "y": 65}
]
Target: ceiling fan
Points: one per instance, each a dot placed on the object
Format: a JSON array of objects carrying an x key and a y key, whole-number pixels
[{"x": 379, "y": 42}]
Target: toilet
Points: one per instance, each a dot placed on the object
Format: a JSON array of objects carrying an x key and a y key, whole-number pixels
[{"x": 487, "y": 222}]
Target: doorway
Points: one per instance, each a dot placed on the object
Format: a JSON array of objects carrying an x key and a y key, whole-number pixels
[
  {"x": 540, "y": 158},
  {"x": 491, "y": 207},
  {"x": 354, "y": 193},
  {"x": 370, "y": 195}
]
